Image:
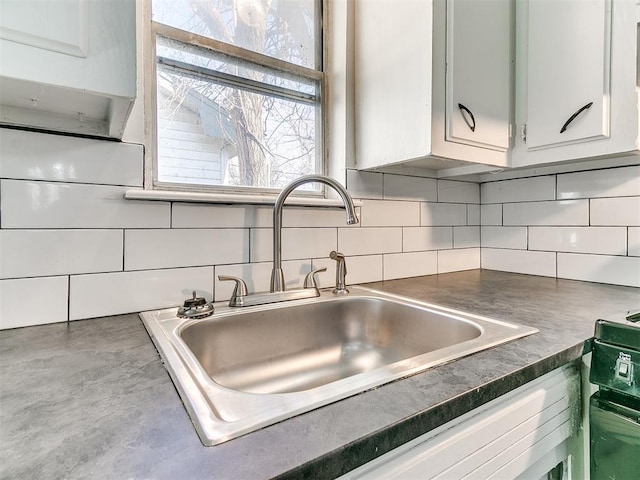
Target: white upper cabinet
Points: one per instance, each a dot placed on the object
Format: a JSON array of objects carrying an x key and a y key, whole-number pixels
[
  {"x": 442, "y": 84},
  {"x": 575, "y": 80},
  {"x": 432, "y": 82},
  {"x": 392, "y": 81},
  {"x": 68, "y": 65},
  {"x": 568, "y": 78},
  {"x": 478, "y": 73}
]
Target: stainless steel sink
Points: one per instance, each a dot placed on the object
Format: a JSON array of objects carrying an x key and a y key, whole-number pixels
[{"x": 245, "y": 368}]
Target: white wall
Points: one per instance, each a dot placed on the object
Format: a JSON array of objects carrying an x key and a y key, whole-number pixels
[
  {"x": 71, "y": 246},
  {"x": 581, "y": 226}
]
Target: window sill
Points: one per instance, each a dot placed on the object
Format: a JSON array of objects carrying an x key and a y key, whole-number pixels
[{"x": 225, "y": 198}]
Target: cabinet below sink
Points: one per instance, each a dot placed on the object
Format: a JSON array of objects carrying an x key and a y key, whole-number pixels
[{"x": 531, "y": 432}]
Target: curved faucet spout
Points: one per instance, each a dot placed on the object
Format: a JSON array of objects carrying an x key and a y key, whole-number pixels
[{"x": 277, "y": 277}]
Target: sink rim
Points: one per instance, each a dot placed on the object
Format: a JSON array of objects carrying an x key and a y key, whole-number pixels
[{"x": 220, "y": 414}]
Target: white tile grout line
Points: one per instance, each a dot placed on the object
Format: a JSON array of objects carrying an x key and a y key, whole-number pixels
[{"x": 68, "y": 298}]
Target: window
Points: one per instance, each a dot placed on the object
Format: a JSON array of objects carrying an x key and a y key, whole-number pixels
[{"x": 238, "y": 93}]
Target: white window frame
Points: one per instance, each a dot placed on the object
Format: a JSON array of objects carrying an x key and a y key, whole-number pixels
[{"x": 222, "y": 193}]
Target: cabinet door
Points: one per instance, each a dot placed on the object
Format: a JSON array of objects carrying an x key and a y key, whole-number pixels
[
  {"x": 478, "y": 77},
  {"x": 68, "y": 65},
  {"x": 392, "y": 91},
  {"x": 569, "y": 46},
  {"x": 57, "y": 26},
  {"x": 523, "y": 434}
]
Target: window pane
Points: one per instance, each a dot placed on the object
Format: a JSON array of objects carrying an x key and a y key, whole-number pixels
[
  {"x": 211, "y": 133},
  {"x": 204, "y": 58},
  {"x": 284, "y": 29}
]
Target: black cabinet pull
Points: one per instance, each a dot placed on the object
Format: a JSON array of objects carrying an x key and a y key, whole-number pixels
[
  {"x": 573, "y": 117},
  {"x": 472, "y": 123}
]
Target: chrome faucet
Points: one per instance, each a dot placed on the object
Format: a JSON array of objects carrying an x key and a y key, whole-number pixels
[{"x": 277, "y": 277}]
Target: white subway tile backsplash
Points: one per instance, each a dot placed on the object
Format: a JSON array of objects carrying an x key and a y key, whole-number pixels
[
  {"x": 600, "y": 268},
  {"x": 612, "y": 182},
  {"x": 491, "y": 214},
  {"x": 27, "y": 205},
  {"x": 504, "y": 237},
  {"x": 297, "y": 243},
  {"x": 169, "y": 248},
  {"x": 414, "y": 264},
  {"x": 634, "y": 241},
  {"x": 369, "y": 240},
  {"x": 458, "y": 192},
  {"x": 33, "y": 301},
  {"x": 365, "y": 184},
  {"x": 519, "y": 190},
  {"x": 388, "y": 213},
  {"x": 600, "y": 240},
  {"x": 402, "y": 187},
  {"x": 102, "y": 294},
  {"x": 65, "y": 221},
  {"x": 427, "y": 238},
  {"x": 589, "y": 232},
  {"x": 258, "y": 276},
  {"x": 519, "y": 261},
  {"x": 360, "y": 269},
  {"x": 458, "y": 260},
  {"x": 309, "y": 217},
  {"x": 328, "y": 278},
  {"x": 473, "y": 214},
  {"x": 443, "y": 214},
  {"x": 261, "y": 241},
  {"x": 562, "y": 212},
  {"x": 466, "y": 237},
  {"x": 201, "y": 215},
  {"x": 37, "y": 156},
  {"x": 46, "y": 253},
  {"x": 623, "y": 211}
]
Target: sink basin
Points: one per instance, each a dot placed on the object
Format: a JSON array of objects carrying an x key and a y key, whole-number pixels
[
  {"x": 244, "y": 368},
  {"x": 301, "y": 347}
]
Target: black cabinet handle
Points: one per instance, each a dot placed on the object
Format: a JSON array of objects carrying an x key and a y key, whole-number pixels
[
  {"x": 472, "y": 123},
  {"x": 573, "y": 117}
]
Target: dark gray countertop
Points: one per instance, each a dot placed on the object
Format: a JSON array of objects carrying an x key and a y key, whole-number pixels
[{"x": 91, "y": 399}]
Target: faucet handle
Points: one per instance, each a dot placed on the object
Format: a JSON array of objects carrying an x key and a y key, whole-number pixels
[
  {"x": 310, "y": 280},
  {"x": 239, "y": 292}
]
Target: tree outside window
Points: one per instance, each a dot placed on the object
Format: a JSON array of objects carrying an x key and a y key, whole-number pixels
[{"x": 233, "y": 120}]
